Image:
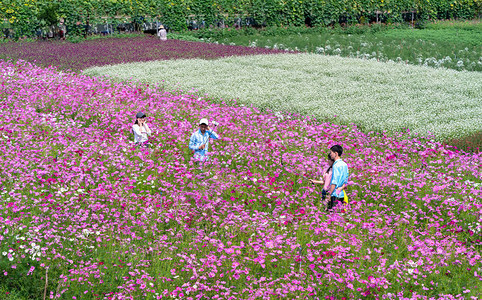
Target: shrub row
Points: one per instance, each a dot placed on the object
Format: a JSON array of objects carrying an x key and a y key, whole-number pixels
[{"x": 27, "y": 15}]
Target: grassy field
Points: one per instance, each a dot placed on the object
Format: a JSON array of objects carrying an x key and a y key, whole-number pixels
[
  {"x": 454, "y": 45},
  {"x": 374, "y": 95}
]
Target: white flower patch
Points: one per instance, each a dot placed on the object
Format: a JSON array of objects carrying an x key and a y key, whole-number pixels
[
  {"x": 33, "y": 251},
  {"x": 475, "y": 227},
  {"x": 377, "y": 95}
]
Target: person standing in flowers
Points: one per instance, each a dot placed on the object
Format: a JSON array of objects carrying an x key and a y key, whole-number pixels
[
  {"x": 162, "y": 33},
  {"x": 339, "y": 178},
  {"x": 199, "y": 142},
  {"x": 326, "y": 180},
  {"x": 141, "y": 130}
]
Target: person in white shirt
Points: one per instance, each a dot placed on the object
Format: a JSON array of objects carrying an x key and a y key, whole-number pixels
[
  {"x": 162, "y": 33},
  {"x": 141, "y": 130}
]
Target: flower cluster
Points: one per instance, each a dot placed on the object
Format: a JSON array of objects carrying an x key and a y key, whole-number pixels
[{"x": 117, "y": 51}]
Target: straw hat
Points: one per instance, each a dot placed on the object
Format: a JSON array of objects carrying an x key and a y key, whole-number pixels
[{"x": 161, "y": 27}]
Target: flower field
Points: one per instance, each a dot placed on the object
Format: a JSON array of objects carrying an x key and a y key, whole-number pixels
[
  {"x": 85, "y": 215},
  {"x": 374, "y": 95},
  {"x": 116, "y": 51}
]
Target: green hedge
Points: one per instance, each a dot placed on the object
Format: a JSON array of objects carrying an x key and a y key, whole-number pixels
[{"x": 25, "y": 15}]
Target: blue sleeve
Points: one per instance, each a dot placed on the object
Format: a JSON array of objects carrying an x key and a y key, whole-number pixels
[
  {"x": 335, "y": 178},
  {"x": 347, "y": 175},
  {"x": 193, "y": 143},
  {"x": 213, "y": 135}
]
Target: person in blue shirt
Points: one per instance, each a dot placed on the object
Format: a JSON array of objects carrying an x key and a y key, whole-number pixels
[
  {"x": 339, "y": 178},
  {"x": 199, "y": 142}
]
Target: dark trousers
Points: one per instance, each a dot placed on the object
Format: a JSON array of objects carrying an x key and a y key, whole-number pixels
[
  {"x": 334, "y": 201},
  {"x": 323, "y": 195}
]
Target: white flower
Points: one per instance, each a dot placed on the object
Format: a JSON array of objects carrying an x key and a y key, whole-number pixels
[
  {"x": 320, "y": 50},
  {"x": 86, "y": 232},
  {"x": 412, "y": 264}
]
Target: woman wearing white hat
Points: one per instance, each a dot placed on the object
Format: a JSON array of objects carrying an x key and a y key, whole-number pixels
[
  {"x": 199, "y": 142},
  {"x": 162, "y": 33}
]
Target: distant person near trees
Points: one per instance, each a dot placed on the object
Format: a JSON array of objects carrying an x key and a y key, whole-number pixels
[
  {"x": 162, "y": 33},
  {"x": 339, "y": 179},
  {"x": 62, "y": 29}
]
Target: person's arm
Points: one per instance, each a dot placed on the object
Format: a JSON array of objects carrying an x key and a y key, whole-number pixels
[
  {"x": 317, "y": 181},
  {"x": 213, "y": 134},
  {"x": 345, "y": 183},
  {"x": 332, "y": 189},
  {"x": 341, "y": 188},
  {"x": 137, "y": 129},
  {"x": 148, "y": 130},
  {"x": 334, "y": 179},
  {"x": 193, "y": 143}
]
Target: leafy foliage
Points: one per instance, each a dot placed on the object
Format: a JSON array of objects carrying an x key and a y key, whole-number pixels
[
  {"x": 22, "y": 15},
  {"x": 49, "y": 15}
]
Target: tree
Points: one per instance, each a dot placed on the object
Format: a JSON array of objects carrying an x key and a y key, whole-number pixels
[{"x": 49, "y": 14}]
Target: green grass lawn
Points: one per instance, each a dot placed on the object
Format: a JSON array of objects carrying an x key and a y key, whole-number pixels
[
  {"x": 454, "y": 45},
  {"x": 451, "y": 36}
]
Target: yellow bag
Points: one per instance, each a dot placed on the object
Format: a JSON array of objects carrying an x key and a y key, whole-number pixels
[{"x": 345, "y": 198}]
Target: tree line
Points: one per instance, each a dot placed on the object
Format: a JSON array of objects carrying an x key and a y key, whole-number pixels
[{"x": 24, "y": 17}]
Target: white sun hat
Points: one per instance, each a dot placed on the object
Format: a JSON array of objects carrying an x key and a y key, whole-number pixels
[{"x": 204, "y": 121}]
